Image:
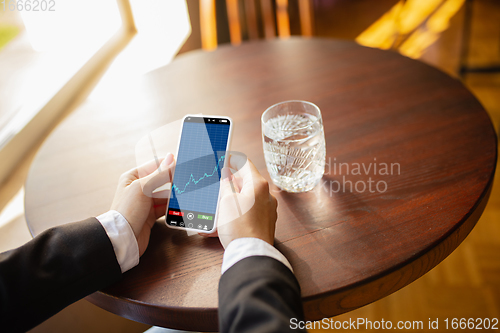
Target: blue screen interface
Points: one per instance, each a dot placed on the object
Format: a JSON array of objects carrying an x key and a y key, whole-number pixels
[{"x": 195, "y": 187}]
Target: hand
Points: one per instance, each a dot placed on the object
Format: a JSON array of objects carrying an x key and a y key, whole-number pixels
[
  {"x": 136, "y": 200},
  {"x": 249, "y": 211}
]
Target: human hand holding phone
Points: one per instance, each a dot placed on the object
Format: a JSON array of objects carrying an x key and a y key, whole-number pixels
[
  {"x": 136, "y": 200},
  {"x": 246, "y": 208}
]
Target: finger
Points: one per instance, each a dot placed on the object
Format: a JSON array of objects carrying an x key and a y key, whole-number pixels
[
  {"x": 212, "y": 234},
  {"x": 234, "y": 182},
  {"x": 145, "y": 169},
  {"x": 250, "y": 175},
  {"x": 274, "y": 201},
  {"x": 159, "y": 201},
  {"x": 237, "y": 182},
  {"x": 159, "y": 211},
  {"x": 226, "y": 186},
  {"x": 237, "y": 160},
  {"x": 150, "y": 221},
  {"x": 158, "y": 178},
  {"x": 154, "y": 165},
  {"x": 163, "y": 192}
]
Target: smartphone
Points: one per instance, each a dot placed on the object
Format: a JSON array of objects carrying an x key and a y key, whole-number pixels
[{"x": 194, "y": 196}]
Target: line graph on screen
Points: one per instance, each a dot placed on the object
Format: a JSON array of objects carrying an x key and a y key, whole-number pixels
[
  {"x": 201, "y": 156},
  {"x": 195, "y": 181}
]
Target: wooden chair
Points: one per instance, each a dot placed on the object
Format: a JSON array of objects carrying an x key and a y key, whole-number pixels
[{"x": 208, "y": 20}]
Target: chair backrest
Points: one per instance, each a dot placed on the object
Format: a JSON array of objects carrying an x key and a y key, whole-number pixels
[{"x": 270, "y": 25}]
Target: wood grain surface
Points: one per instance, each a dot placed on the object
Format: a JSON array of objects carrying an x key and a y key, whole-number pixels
[{"x": 347, "y": 248}]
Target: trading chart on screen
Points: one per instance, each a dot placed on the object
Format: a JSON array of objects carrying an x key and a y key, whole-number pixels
[{"x": 195, "y": 188}]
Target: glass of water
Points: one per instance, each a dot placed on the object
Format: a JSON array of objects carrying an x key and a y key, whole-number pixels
[{"x": 294, "y": 145}]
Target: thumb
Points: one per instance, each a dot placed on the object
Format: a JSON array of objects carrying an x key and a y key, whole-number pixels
[
  {"x": 227, "y": 185},
  {"x": 154, "y": 181}
]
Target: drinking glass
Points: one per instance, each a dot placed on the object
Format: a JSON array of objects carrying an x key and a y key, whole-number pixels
[{"x": 294, "y": 145}]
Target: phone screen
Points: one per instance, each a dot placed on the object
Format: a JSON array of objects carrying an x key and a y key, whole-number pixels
[{"x": 195, "y": 186}]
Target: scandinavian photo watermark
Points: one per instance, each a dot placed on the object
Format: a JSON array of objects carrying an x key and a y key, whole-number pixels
[{"x": 342, "y": 171}]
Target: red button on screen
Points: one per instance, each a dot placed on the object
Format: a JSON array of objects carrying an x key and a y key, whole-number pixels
[{"x": 173, "y": 212}]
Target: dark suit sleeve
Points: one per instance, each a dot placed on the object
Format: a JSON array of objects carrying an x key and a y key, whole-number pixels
[
  {"x": 55, "y": 269},
  {"x": 258, "y": 294}
]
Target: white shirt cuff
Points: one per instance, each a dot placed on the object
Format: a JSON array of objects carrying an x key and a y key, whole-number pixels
[
  {"x": 242, "y": 248},
  {"x": 122, "y": 237}
]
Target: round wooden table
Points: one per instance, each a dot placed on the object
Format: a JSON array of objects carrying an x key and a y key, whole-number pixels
[{"x": 348, "y": 248}]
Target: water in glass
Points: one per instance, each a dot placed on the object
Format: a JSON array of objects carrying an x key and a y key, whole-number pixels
[{"x": 294, "y": 149}]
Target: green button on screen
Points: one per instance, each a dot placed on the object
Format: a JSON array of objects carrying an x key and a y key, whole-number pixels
[{"x": 205, "y": 217}]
